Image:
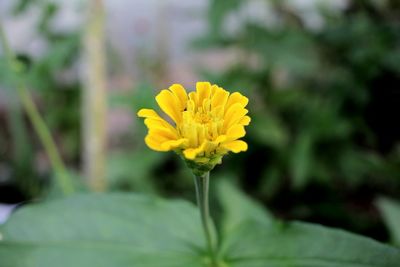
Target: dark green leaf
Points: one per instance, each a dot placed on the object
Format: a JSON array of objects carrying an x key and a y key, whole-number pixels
[
  {"x": 301, "y": 160},
  {"x": 238, "y": 207},
  {"x": 390, "y": 210},
  {"x": 304, "y": 245},
  {"x": 255, "y": 242},
  {"x": 99, "y": 230},
  {"x": 268, "y": 129}
]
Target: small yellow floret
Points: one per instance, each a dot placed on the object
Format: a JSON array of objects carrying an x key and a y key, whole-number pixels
[{"x": 208, "y": 123}]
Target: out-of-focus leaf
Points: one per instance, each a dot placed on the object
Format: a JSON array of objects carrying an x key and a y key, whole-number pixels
[
  {"x": 301, "y": 159},
  {"x": 268, "y": 130},
  {"x": 290, "y": 49},
  {"x": 49, "y": 10},
  {"x": 392, "y": 60},
  {"x": 390, "y": 210},
  {"x": 133, "y": 170},
  {"x": 238, "y": 207},
  {"x": 53, "y": 62},
  {"x": 218, "y": 11},
  {"x": 259, "y": 241},
  {"x": 271, "y": 182},
  {"x": 22, "y": 5}
]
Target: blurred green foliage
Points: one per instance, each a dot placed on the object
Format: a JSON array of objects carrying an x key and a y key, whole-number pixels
[
  {"x": 323, "y": 142},
  {"x": 324, "y": 102},
  {"x": 55, "y": 86},
  {"x": 324, "y": 139}
]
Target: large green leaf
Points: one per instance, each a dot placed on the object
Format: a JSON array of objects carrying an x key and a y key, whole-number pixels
[
  {"x": 255, "y": 242},
  {"x": 130, "y": 230},
  {"x": 238, "y": 207},
  {"x": 390, "y": 210},
  {"x": 103, "y": 230}
]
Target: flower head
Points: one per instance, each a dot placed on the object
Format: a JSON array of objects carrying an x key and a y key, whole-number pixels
[{"x": 207, "y": 124}]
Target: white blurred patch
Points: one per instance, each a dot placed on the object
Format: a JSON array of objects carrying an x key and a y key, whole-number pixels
[
  {"x": 309, "y": 10},
  {"x": 70, "y": 16},
  {"x": 21, "y": 30},
  {"x": 5, "y": 211}
]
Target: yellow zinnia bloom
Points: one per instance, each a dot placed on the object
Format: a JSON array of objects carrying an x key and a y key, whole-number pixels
[{"x": 207, "y": 123}]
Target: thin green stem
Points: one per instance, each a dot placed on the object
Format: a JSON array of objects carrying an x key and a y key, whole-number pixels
[
  {"x": 37, "y": 121},
  {"x": 202, "y": 185}
]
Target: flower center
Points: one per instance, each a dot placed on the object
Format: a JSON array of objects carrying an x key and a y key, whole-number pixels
[
  {"x": 202, "y": 117},
  {"x": 200, "y": 124}
]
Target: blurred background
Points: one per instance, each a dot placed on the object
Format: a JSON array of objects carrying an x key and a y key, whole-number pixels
[{"x": 323, "y": 78}]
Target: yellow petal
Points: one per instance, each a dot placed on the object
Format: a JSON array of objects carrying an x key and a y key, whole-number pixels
[
  {"x": 193, "y": 98},
  {"x": 170, "y": 104},
  {"x": 232, "y": 110},
  {"x": 245, "y": 120},
  {"x": 210, "y": 147},
  {"x": 172, "y": 144},
  {"x": 191, "y": 153},
  {"x": 191, "y": 106},
  {"x": 235, "y": 113},
  {"x": 220, "y": 139},
  {"x": 148, "y": 113},
  {"x": 201, "y": 133},
  {"x": 235, "y": 132},
  {"x": 218, "y": 112},
  {"x": 163, "y": 132},
  {"x": 189, "y": 131},
  {"x": 214, "y": 88},
  {"x": 180, "y": 93},
  {"x": 153, "y": 143},
  {"x": 154, "y": 123},
  {"x": 236, "y": 98},
  {"x": 219, "y": 98},
  {"x": 235, "y": 146},
  {"x": 154, "y": 120},
  {"x": 203, "y": 90}
]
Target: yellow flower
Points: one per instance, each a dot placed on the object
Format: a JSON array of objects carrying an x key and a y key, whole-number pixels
[{"x": 206, "y": 125}]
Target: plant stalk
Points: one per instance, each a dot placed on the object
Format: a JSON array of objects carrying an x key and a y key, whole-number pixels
[
  {"x": 37, "y": 121},
  {"x": 202, "y": 188},
  {"x": 94, "y": 100}
]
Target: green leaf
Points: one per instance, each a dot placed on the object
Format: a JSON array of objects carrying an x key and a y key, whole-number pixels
[
  {"x": 238, "y": 207},
  {"x": 133, "y": 169},
  {"x": 255, "y": 242},
  {"x": 133, "y": 230},
  {"x": 288, "y": 49},
  {"x": 304, "y": 245},
  {"x": 390, "y": 210},
  {"x": 301, "y": 160},
  {"x": 104, "y": 230},
  {"x": 267, "y": 129}
]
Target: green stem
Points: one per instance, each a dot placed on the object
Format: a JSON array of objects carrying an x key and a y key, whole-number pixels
[
  {"x": 37, "y": 121},
  {"x": 202, "y": 185}
]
